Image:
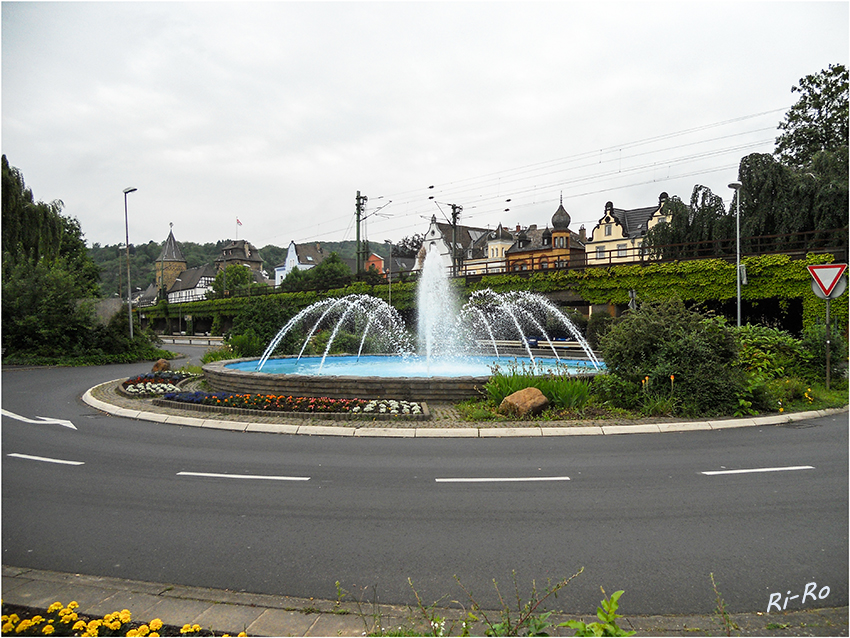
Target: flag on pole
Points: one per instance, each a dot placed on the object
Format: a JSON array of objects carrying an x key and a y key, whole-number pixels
[{"x": 238, "y": 223}]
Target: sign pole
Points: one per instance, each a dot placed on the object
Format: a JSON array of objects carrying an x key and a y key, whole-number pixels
[{"x": 828, "y": 347}]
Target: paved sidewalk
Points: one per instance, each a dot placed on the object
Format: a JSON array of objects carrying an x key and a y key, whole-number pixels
[
  {"x": 224, "y": 611},
  {"x": 445, "y": 421}
]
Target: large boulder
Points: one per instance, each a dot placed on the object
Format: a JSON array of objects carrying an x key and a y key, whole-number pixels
[
  {"x": 526, "y": 401},
  {"x": 161, "y": 365}
]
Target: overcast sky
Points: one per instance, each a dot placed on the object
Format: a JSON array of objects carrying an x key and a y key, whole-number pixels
[{"x": 279, "y": 112}]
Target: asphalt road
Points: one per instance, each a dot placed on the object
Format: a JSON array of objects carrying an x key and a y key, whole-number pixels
[{"x": 156, "y": 502}]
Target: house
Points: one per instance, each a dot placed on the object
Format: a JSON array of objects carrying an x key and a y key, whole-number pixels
[
  {"x": 300, "y": 257},
  {"x": 395, "y": 266},
  {"x": 443, "y": 237},
  {"x": 618, "y": 236},
  {"x": 192, "y": 284},
  {"x": 542, "y": 249},
  {"x": 488, "y": 253},
  {"x": 239, "y": 252}
]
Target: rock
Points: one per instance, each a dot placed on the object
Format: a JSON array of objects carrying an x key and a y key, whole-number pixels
[
  {"x": 526, "y": 401},
  {"x": 161, "y": 366}
]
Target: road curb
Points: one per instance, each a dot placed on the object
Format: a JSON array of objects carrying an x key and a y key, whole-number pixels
[{"x": 550, "y": 429}]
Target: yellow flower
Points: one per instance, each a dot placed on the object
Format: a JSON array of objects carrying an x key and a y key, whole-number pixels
[
  {"x": 8, "y": 628},
  {"x": 156, "y": 624},
  {"x": 125, "y": 615},
  {"x": 143, "y": 630},
  {"x": 74, "y": 604},
  {"x": 154, "y": 635},
  {"x": 55, "y": 607},
  {"x": 23, "y": 626},
  {"x": 241, "y": 634},
  {"x": 48, "y": 629},
  {"x": 80, "y": 624},
  {"x": 132, "y": 633}
]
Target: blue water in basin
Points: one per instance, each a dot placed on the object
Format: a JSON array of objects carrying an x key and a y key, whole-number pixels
[{"x": 413, "y": 366}]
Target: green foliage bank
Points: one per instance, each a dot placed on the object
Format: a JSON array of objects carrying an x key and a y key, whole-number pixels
[{"x": 695, "y": 282}]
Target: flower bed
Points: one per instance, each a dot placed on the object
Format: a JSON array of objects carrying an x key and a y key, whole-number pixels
[
  {"x": 154, "y": 384},
  {"x": 311, "y": 405}
]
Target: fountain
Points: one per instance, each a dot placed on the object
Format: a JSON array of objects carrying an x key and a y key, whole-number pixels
[{"x": 456, "y": 349}]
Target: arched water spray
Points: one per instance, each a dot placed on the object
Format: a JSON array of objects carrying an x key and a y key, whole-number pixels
[{"x": 390, "y": 332}]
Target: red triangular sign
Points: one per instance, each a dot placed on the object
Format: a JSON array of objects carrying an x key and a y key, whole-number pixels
[{"x": 827, "y": 275}]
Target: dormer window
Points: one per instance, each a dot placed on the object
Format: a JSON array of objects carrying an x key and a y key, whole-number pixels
[{"x": 608, "y": 230}]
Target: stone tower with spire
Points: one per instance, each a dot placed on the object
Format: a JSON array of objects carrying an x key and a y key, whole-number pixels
[{"x": 170, "y": 262}]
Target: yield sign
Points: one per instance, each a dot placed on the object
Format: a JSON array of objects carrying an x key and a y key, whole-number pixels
[{"x": 827, "y": 275}]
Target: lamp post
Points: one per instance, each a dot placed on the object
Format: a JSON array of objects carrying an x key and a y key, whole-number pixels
[
  {"x": 736, "y": 186},
  {"x": 127, "y": 191},
  {"x": 390, "y": 278}
]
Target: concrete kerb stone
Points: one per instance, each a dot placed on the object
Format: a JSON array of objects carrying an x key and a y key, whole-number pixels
[{"x": 453, "y": 432}]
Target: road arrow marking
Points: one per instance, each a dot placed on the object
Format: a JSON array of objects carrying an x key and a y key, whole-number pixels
[
  {"x": 44, "y": 459},
  {"x": 42, "y": 420}
]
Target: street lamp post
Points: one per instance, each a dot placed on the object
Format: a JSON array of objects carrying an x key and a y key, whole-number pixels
[
  {"x": 390, "y": 277},
  {"x": 127, "y": 238},
  {"x": 736, "y": 186}
]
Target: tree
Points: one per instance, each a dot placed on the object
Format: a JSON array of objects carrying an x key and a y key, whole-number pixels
[
  {"x": 408, "y": 247},
  {"x": 332, "y": 272},
  {"x": 818, "y": 121},
  {"x": 704, "y": 221},
  {"x": 234, "y": 278}
]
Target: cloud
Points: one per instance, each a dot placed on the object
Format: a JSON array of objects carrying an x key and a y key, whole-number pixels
[{"x": 278, "y": 112}]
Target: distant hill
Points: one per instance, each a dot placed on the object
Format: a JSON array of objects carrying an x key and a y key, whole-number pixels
[{"x": 113, "y": 261}]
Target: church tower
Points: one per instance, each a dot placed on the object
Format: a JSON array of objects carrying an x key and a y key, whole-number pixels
[{"x": 170, "y": 262}]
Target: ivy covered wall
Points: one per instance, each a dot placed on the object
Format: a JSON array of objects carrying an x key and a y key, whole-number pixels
[{"x": 709, "y": 280}]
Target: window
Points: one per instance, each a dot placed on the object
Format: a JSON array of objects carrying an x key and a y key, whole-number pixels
[
  {"x": 622, "y": 250},
  {"x": 608, "y": 230},
  {"x": 600, "y": 252}
]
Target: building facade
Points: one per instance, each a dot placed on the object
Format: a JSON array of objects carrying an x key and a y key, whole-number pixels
[{"x": 618, "y": 236}]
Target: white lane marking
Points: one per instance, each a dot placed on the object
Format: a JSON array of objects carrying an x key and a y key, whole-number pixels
[
  {"x": 502, "y": 480},
  {"x": 45, "y": 459},
  {"x": 42, "y": 420},
  {"x": 761, "y": 469},
  {"x": 255, "y": 477}
]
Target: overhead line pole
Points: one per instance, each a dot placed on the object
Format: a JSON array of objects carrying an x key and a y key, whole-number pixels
[{"x": 361, "y": 204}]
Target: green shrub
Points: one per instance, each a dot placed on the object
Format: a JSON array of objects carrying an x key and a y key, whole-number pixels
[
  {"x": 649, "y": 345},
  {"x": 814, "y": 342},
  {"x": 247, "y": 344},
  {"x": 219, "y": 354},
  {"x": 769, "y": 351},
  {"x": 616, "y": 392}
]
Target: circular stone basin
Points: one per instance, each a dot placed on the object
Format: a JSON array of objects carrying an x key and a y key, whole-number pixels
[{"x": 440, "y": 380}]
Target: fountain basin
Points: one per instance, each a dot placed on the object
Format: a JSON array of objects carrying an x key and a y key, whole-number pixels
[{"x": 373, "y": 377}]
